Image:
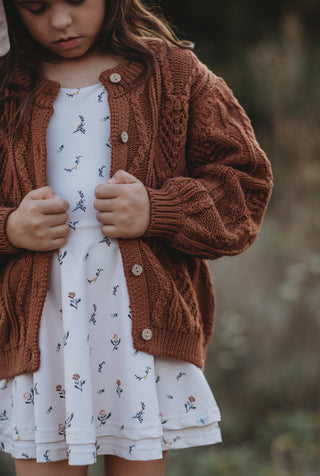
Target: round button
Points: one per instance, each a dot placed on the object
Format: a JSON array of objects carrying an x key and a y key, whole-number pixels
[
  {"x": 136, "y": 269},
  {"x": 115, "y": 78},
  {"x": 146, "y": 334},
  {"x": 124, "y": 137}
]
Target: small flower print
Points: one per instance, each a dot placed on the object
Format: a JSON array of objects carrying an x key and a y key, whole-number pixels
[
  {"x": 46, "y": 456},
  {"x": 29, "y": 397},
  {"x": 58, "y": 348},
  {"x": 17, "y": 432},
  {"x": 115, "y": 341},
  {"x": 74, "y": 302},
  {"x": 4, "y": 416},
  {"x": 78, "y": 383},
  {"x": 135, "y": 353},
  {"x": 100, "y": 366},
  {"x": 62, "y": 430},
  {"x": 100, "y": 391},
  {"x": 72, "y": 224},
  {"x": 190, "y": 404},
  {"x": 108, "y": 144},
  {"x": 122, "y": 428},
  {"x": 49, "y": 410},
  {"x": 93, "y": 315},
  {"x": 100, "y": 170},
  {"x": 36, "y": 391},
  {"x": 106, "y": 240},
  {"x": 119, "y": 390},
  {"x": 65, "y": 338},
  {"x": 163, "y": 421},
  {"x": 69, "y": 419},
  {"x": 143, "y": 377},
  {"x": 76, "y": 163},
  {"x": 130, "y": 314},
  {"x": 60, "y": 149},
  {"x": 72, "y": 95},
  {"x": 169, "y": 396},
  {"x": 86, "y": 256},
  {"x": 80, "y": 203},
  {"x": 5, "y": 385},
  {"x": 103, "y": 417},
  {"x": 170, "y": 442},
  {"x": 25, "y": 456},
  {"x": 114, "y": 315},
  {"x": 180, "y": 374},
  {"x": 202, "y": 420},
  {"x": 100, "y": 96},
  {"x": 80, "y": 125},
  {"x": 157, "y": 378},
  {"x": 131, "y": 448},
  {"x": 94, "y": 280},
  {"x": 61, "y": 391},
  {"x": 115, "y": 290},
  {"x": 2, "y": 447},
  {"x": 104, "y": 119},
  {"x": 140, "y": 412},
  {"x": 61, "y": 256}
]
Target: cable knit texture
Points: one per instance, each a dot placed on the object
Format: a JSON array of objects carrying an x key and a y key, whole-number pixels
[{"x": 208, "y": 181}]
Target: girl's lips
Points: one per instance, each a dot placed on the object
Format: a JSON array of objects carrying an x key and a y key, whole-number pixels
[{"x": 68, "y": 43}]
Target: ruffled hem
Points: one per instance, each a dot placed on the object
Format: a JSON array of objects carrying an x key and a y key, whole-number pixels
[{"x": 133, "y": 450}]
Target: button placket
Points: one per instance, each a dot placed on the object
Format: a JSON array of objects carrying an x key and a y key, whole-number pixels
[
  {"x": 115, "y": 78},
  {"x": 124, "y": 137}
]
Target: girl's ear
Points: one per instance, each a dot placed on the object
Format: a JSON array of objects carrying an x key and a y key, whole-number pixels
[{"x": 4, "y": 39}]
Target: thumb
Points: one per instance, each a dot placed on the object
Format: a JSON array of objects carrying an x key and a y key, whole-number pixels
[
  {"x": 121, "y": 177},
  {"x": 42, "y": 193}
]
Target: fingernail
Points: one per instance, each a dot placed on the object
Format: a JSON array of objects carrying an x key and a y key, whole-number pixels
[{"x": 111, "y": 180}]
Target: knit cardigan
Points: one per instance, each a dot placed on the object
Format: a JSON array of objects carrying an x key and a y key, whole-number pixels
[{"x": 191, "y": 144}]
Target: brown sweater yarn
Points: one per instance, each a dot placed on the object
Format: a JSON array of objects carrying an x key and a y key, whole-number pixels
[{"x": 191, "y": 144}]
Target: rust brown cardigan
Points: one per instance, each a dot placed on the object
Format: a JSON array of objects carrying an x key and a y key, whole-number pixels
[{"x": 209, "y": 183}]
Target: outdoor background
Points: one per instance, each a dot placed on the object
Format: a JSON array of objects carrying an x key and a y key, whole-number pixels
[{"x": 263, "y": 363}]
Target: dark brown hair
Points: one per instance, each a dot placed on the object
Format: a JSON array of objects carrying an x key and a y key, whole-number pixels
[{"x": 127, "y": 25}]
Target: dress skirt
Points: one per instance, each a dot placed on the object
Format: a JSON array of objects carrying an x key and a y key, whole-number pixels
[{"x": 94, "y": 393}]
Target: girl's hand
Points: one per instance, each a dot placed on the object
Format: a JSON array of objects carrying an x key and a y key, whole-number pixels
[
  {"x": 123, "y": 206},
  {"x": 39, "y": 223}
]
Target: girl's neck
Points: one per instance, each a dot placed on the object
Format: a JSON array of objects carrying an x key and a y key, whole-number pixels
[{"x": 80, "y": 72}]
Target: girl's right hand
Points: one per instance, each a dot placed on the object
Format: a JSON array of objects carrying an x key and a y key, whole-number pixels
[{"x": 40, "y": 221}]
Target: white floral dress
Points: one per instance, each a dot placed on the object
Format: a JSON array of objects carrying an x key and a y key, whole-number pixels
[{"x": 94, "y": 393}]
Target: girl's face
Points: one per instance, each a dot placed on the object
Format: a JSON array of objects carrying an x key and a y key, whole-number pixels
[{"x": 65, "y": 27}]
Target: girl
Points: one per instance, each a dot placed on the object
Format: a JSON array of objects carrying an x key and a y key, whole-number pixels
[{"x": 125, "y": 163}]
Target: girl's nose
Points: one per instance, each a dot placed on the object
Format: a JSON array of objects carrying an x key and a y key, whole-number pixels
[{"x": 61, "y": 19}]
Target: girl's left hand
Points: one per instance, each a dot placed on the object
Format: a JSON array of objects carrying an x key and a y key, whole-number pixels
[{"x": 123, "y": 206}]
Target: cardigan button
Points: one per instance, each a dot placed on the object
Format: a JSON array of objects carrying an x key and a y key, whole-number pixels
[
  {"x": 124, "y": 137},
  {"x": 146, "y": 334},
  {"x": 115, "y": 78},
  {"x": 137, "y": 270}
]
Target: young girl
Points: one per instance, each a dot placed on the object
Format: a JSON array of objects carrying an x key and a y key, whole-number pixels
[{"x": 125, "y": 163}]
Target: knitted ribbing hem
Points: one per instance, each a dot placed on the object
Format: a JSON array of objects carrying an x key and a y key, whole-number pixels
[{"x": 5, "y": 245}]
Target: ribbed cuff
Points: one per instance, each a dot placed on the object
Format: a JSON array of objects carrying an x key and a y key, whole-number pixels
[
  {"x": 166, "y": 214},
  {"x": 5, "y": 245}
]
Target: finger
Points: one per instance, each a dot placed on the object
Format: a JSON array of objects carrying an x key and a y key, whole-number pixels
[
  {"x": 104, "y": 205},
  {"x": 59, "y": 231},
  {"x": 105, "y": 190},
  {"x": 106, "y": 218},
  {"x": 52, "y": 206},
  {"x": 41, "y": 193},
  {"x": 110, "y": 231},
  {"x": 121, "y": 176},
  {"x": 56, "y": 219}
]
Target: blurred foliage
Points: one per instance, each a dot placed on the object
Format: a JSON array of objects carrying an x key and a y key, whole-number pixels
[{"x": 263, "y": 362}]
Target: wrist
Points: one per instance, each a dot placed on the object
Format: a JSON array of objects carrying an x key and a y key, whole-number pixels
[{"x": 11, "y": 230}]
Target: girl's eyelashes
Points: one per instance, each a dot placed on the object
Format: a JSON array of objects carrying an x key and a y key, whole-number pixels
[{"x": 37, "y": 8}]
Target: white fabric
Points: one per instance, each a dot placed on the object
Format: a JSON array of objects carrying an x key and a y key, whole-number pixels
[
  {"x": 94, "y": 393},
  {"x": 4, "y": 39}
]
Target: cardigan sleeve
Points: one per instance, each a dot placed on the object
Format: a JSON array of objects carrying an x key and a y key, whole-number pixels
[
  {"x": 5, "y": 245},
  {"x": 218, "y": 208}
]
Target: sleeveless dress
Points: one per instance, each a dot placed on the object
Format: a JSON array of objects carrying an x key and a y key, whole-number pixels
[{"x": 94, "y": 393}]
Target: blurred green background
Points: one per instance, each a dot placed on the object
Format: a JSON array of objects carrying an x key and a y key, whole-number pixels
[{"x": 263, "y": 363}]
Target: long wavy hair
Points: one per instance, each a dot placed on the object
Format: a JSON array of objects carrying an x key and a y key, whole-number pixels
[{"x": 126, "y": 26}]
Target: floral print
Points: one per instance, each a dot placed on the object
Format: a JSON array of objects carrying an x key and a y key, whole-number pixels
[{"x": 93, "y": 388}]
